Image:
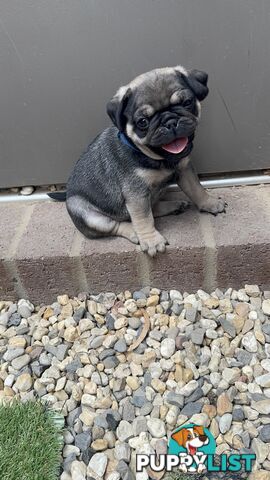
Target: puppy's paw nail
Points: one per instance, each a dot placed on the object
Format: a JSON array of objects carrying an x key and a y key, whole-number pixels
[
  {"x": 161, "y": 247},
  {"x": 134, "y": 239}
]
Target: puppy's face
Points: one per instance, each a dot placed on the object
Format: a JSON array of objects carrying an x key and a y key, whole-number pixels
[
  {"x": 159, "y": 110},
  {"x": 191, "y": 438}
]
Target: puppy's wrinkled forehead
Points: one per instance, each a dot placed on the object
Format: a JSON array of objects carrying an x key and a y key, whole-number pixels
[{"x": 155, "y": 90}]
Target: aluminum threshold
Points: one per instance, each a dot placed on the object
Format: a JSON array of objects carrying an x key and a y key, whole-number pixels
[{"x": 214, "y": 183}]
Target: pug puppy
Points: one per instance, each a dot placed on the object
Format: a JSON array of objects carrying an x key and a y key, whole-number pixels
[{"x": 116, "y": 185}]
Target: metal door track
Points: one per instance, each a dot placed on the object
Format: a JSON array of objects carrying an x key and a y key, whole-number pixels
[{"x": 214, "y": 183}]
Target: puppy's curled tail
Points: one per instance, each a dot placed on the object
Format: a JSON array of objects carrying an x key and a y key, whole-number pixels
[{"x": 58, "y": 196}]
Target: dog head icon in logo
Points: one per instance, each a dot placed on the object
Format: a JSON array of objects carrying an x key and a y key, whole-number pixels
[
  {"x": 191, "y": 438},
  {"x": 194, "y": 443}
]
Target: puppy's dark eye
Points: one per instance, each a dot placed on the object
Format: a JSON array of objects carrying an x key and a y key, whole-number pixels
[
  {"x": 188, "y": 102},
  {"x": 142, "y": 123}
]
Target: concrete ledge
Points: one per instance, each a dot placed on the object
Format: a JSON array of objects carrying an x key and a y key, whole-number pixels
[{"x": 42, "y": 255}]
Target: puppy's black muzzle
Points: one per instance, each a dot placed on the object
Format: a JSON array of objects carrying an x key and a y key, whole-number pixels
[{"x": 172, "y": 128}]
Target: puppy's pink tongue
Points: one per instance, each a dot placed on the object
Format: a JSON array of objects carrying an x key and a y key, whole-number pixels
[{"x": 177, "y": 146}]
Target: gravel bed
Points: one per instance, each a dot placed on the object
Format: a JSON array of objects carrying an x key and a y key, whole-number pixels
[{"x": 205, "y": 359}]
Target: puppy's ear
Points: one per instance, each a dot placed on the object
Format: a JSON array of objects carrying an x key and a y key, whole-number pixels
[
  {"x": 116, "y": 109},
  {"x": 179, "y": 437},
  {"x": 197, "y": 81}
]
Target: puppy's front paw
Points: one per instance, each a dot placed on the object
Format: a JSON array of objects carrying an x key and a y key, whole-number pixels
[
  {"x": 183, "y": 468},
  {"x": 153, "y": 243},
  {"x": 213, "y": 205},
  {"x": 201, "y": 468}
]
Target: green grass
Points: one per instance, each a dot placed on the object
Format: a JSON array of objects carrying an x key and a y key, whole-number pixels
[{"x": 30, "y": 442}]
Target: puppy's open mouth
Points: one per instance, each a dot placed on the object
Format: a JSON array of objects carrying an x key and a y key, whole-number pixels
[
  {"x": 177, "y": 146},
  {"x": 192, "y": 450}
]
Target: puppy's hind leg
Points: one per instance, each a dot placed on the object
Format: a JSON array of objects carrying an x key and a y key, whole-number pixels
[
  {"x": 94, "y": 224},
  {"x": 169, "y": 207}
]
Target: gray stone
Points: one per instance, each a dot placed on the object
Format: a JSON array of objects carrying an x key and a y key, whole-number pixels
[
  {"x": 172, "y": 332},
  {"x": 62, "y": 352},
  {"x": 225, "y": 422},
  {"x": 51, "y": 349},
  {"x": 128, "y": 411},
  {"x": 139, "y": 295},
  {"x": 14, "y": 320},
  {"x": 243, "y": 357},
  {"x": 124, "y": 431},
  {"x": 124, "y": 471},
  {"x": 73, "y": 366},
  {"x": 79, "y": 314},
  {"x": 108, "y": 352},
  {"x": 118, "y": 384},
  {"x": 12, "y": 308},
  {"x": 97, "y": 464},
  {"x": 139, "y": 398},
  {"x": 68, "y": 461},
  {"x": 96, "y": 342},
  {"x": 228, "y": 327},
  {"x": 245, "y": 438},
  {"x": 266, "y": 329},
  {"x": 249, "y": 342},
  {"x": 45, "y": 359},
  {"x": 134, "y": 323},
  {"x": 164, "y": 296},
  {"x": 146, "y": 409},
  {"x": 167, "y": 347},
  {"x": 95, "y": 377},
  {"x": 238, "y": 414},
  {"x": 139, "y": 425},
  {"x": 179, "y": 341},
  {"x": 83, "y": 440},
  {"x": 120, "y": 346},
  {"x": 73, "y": 415},
  {"x": 21, "y": 361},
  {"x": 156, "y": 427},
  {"x": 264, "y": 434},
  {"x": 113, "y": 419},
  {"x": 266, "y": 307},
  {"x": 122, "y": 452},
  {"x": 191, "y": 313},
  {"x": 264, "y": 381},
  {"x": 252, "y": 290},
  {"x": 24, "y": 311},
  {"x": 147, "y": 379},
  {"x": 192, "y": 408},
  {"x": 37, "y": 369},
  {"x": 13, "y": 353},
  {"x": 176, "y": 308},
  {"x": 176, "y": 295},
  {"x": 110, "y": 362},
  {"x": 97, "y": 432},
  {"x": 262, "y": 406},
  {"x": 175, "y": 399},
  {"x": 261, "y": 449},
  {"x": 100, "y": 421},
  {"x": 197, "y": 336},
  {"x": 196, "y": 395},
  {"x": 4, "y": 319},
  {"x": 110, "y": 320}
]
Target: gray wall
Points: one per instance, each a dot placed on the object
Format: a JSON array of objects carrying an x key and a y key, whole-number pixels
[{"x": 61, "y": 60}]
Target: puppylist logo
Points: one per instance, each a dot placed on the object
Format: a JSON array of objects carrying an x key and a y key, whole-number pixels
[{"x": 192, "y": 448}]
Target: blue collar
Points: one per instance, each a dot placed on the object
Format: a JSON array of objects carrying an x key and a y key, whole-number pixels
[{"x": 124, "y": 139}]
